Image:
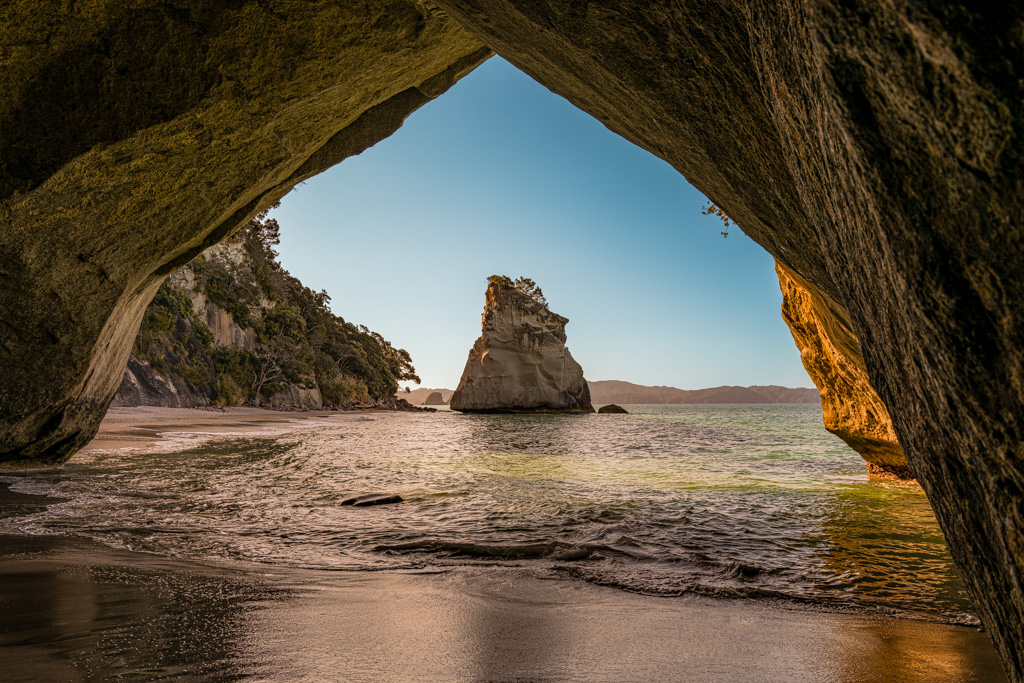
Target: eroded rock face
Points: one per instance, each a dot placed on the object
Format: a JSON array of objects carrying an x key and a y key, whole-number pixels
[
  {"x": 520, "y": 363},
  {"x": 831, "y": 354},
  {"x": 874, "y": 148},
  {"x": 135, "y": 134}
]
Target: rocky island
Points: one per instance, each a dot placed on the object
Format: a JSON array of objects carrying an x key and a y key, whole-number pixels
[
  {"x": 520, "y": 363},
  {"x": 435, "y": 399}
]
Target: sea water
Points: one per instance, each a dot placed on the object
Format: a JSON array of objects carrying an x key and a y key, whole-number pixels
[{"x": 748, "y": 502}]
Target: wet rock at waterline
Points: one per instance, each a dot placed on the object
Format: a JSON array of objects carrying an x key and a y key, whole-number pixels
[
  {"x": 611, "y": 408},
  {"x": 520, "y": 363},
  {"x": 371, "y": 499}
]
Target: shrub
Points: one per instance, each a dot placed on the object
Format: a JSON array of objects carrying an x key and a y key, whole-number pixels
[
  {"x": 339, "y": 390},
  {"x": 196, "y": 374},
  {"x": 226, "y": 391}
]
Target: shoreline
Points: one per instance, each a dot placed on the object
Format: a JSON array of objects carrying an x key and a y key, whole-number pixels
[
  {"x": 145, "y": 426},
  {"x": 74, "y": 609}
]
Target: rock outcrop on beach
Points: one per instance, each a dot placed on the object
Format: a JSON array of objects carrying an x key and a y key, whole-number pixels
[
  {"x": 612, "y": 408},
  {"x": 435, "y": 399},
  {"x": 873, "y": 148},
  {"x": 520, "y": 363},
  {"x": 830, "y": 353}
]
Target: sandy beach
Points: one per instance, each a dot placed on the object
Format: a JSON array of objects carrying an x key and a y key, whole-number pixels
[
  {"x": 73, "y": 610},
  {"x": 143, "y": 426}
]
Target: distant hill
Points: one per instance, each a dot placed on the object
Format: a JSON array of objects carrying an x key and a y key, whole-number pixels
[
  {"x": 615, "y": 391},
  {"x": 418, "y": 396}
]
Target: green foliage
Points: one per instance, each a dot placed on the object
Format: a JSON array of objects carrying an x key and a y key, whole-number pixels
[
  {"x": 172, "y": 299},
  {"x": 168, "y": 306},
  {"x": 501, "y": 281},
  {"x": 523, "y": 285},
  {"x": 711, "y": 209},
  {"x": 203, "y": 334},
  {"x": 227, "y": 392},
  {"x": 299, "y": 341},
  {"x": 222, "y": 288},
  {"x": 339, "y": 390},
  {"x": 198, "y": 375}
]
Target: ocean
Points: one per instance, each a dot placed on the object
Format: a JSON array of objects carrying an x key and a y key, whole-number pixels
[{"x": 744, "y": 502}]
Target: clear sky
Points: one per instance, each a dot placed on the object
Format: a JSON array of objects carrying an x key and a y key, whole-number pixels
[{"x": 499, "y": 175}]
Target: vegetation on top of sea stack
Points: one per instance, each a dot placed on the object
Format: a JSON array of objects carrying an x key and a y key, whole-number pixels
[
  {"x": 523, "y": 285},
  {"x": 289, "y": 336}
]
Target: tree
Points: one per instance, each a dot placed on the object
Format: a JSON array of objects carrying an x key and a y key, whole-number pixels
[
  {"x": 530, "y": 289},
  {"x": 265, "y": 371},
  {"x": 523, "y": 285}
]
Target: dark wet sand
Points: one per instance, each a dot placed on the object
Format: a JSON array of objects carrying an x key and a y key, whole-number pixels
[
  {"x": 72, "y": 610},
  {"x": 143, "y": 426}
]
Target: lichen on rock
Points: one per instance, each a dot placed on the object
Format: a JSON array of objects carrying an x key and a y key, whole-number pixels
[{"x": 520, "y": 363}]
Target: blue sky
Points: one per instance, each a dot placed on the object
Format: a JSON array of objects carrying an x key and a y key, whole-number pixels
[{"x": 499, "y": 175}]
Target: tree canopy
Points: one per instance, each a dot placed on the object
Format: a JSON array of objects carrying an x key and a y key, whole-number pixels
[{"x": 523, "y": 285}]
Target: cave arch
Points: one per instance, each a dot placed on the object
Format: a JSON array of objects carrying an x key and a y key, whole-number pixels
[{"x": 872, "y": 149}]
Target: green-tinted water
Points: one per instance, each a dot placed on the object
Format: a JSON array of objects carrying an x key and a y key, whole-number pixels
[{"x": 750, "y": 502}]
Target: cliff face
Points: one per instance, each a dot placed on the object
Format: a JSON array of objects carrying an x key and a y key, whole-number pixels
[
  {"x": 232, "y": 327},
  {"x": 182, "y": 364},
  {"x": 831, "y": 355},
  {"x": 520, "y": 362}
]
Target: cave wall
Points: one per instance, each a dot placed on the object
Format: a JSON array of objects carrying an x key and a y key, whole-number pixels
[
  {"x": 135, "y": 134},
  {"x": 852, "y": 409},
  {"x": 874, "y": 149}
]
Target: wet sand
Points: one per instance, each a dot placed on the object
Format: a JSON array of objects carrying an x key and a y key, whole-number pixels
[
  {"x": 72, "y": 610},
  {"x": 144, "y": 426}
]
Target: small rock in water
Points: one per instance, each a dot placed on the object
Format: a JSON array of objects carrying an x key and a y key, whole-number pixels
[
  {"x": 611, "y": 408},
  {"x": 373, "y": 499}
]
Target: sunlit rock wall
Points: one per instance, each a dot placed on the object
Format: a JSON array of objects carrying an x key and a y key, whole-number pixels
[{"x": 830, "y": 353}]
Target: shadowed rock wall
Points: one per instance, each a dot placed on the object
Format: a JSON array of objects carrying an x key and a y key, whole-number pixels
[
  {"x": 135, "y": 134},
  {"x": 872, "y": 147},
  {"x": 830, "y": 353}
]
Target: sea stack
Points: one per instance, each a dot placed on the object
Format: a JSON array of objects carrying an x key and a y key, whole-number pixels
[{"x": 520, "y": 363}]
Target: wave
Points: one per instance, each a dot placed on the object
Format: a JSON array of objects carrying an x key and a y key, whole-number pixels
[{"x": 554, "y": 550}]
